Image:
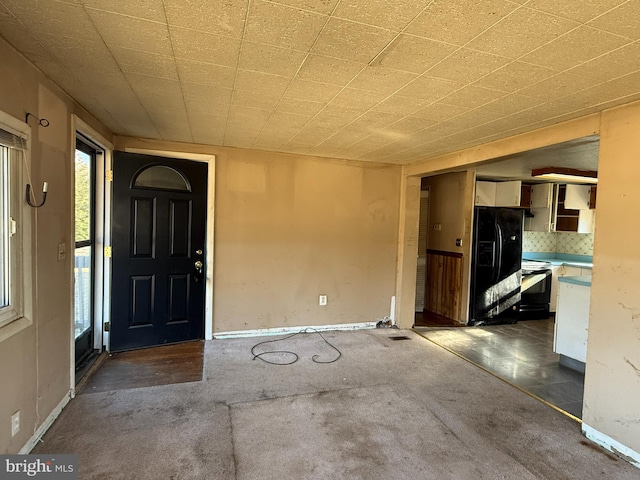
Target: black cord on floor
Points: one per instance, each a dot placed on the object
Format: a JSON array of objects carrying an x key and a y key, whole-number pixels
[{"x": 293, "y": 354}]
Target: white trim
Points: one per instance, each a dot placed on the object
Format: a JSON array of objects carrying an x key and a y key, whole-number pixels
[
  {"x": 209, "y": 245},
  {"x": 42, "y": 429},
  {"x": 287, "y": 330},
  {"x": 612, "y": 445}
]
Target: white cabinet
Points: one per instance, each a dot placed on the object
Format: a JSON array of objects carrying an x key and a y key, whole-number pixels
[
  {"x": 508, "y": 193},
  {"x": 558, "y": 271},
  {"x": 586, "y": 221},
  {"x": 541, "y": 195},
  {"x": 577, "y": 197},
  {"x": 498, "y": 194},
  {"x": 541, "y": 208},
  {"x": 572, "y": 321},
  {"x": 486, "y": 194}
]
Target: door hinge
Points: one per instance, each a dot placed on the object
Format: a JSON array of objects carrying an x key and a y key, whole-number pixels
[
  {"x": 107, "y": 251},
  {"x": 107, "y": 326},
  {"x": 108, "y": 175},
  {"x": 13, "y": 227}
]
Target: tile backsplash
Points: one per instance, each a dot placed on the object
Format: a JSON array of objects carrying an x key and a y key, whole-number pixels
[{"x": 559, "y": 242}]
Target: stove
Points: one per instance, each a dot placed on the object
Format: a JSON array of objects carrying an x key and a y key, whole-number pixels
[{"x": 535, "y": 290}]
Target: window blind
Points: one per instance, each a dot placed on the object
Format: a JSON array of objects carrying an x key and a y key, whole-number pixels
[{"x": 12, "y": 140}]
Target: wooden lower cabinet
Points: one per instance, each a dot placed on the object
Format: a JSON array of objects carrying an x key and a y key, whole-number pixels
[{"x": 443, "y": 293}]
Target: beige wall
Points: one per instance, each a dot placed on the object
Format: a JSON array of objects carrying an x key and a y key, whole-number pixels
[
  {"x": 35, "y": 362},
  {"x": 612, "y": 383},
  {"x": 451, "y": 207},
  {"x": 288, "y": 228}
]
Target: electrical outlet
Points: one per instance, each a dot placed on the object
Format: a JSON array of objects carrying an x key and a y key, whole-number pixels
[
  {"x": 322, "y": 300},
  {"x": 62, "y": 251},
  {"x": 437, "y": 226},
  {"x": 15, "y": 423}
]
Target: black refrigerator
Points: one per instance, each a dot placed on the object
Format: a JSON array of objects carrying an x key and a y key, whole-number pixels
[{"x": 496, "y": 265}]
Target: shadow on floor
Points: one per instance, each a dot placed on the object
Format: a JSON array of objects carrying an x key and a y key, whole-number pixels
[{"x": 520, "y": 353}]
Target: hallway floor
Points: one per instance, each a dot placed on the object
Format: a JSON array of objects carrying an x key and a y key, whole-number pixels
[{"x": 520, "y": 353}]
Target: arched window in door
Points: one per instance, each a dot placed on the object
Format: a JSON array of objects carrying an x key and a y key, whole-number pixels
[{"x": 160, "y": 177}]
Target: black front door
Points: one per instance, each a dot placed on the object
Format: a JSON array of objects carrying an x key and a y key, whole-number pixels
[{"x": 158, "y": 243}]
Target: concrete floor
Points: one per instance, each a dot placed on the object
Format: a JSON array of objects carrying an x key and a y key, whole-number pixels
[{"x": 401, "y": 409}]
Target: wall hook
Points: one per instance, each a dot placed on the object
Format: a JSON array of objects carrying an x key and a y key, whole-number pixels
[
  {"x": 43, "y": 122},
  {"x": 45, "y": 187}
]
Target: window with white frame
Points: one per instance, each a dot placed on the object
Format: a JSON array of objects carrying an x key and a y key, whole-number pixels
[{"x": 13, "y": 155}]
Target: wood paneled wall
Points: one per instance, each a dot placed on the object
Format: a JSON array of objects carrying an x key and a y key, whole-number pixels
[{"x": 443, "y": 294}]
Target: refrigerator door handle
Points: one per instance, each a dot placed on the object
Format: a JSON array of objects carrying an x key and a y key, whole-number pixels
[{"x": 498, "y": 257}]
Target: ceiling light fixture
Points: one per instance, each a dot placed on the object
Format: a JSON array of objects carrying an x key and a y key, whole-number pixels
[{"x": 565, "y": 175}]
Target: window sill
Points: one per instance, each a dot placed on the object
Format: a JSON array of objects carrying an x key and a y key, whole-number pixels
[{"x": 14, "y": 327}]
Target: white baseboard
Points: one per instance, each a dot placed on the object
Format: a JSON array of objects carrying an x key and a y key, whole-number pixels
[
  {"x": 612, "y": 445},
  {"x": 35, "y": 438},
  {"x": 289, "y": 330}
]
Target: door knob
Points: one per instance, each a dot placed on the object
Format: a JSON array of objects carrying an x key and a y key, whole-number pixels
[{"x": 198, "y": 266}]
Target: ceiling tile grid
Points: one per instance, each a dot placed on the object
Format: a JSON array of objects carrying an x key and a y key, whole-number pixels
[{"x": 372, "y": 80}]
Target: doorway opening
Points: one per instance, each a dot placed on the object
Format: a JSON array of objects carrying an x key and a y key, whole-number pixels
[{"x": 84, "y": 251}]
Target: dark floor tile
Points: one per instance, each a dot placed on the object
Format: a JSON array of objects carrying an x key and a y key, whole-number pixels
[{"x": 521, "y": 354}]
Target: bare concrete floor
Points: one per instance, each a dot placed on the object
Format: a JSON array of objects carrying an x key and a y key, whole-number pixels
[{"x": 386, "y": 409}]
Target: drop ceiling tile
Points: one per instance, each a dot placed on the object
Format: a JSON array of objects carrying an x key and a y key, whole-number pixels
[
  {"x": 558, "y": 86},
  {"x": 581, "y": 11},
  {"x": 360, "y": 99},
  {"x": 471, "y": 96},
  {"x": 146, "y": 9},
  {"x": 205, "y": 47},
  {"x": 269, "y": 59},
  {"x": 521, "y": 32},
  {"x": 400, "y": 105},
  {"x": 207, "y": 134},
  {"x": 605, "y": 92},
  {"x": 611, "y": 65},
  {"x": 511, "y": 104},
  {"x": 439, "y": 112},
  {"x": 23, "y": 41},
  {"x": 286, "y": 121},
  {"x": 261, "y": 83},
  {"x": 191, "y": 71},
  {"x": 318, "y": 68},
  {"x": 382, "y": 13},
  {"x": 299, "y": 107},
  {"x": 222, "y": 17},
  {"x": 410, "y": 125},
  {"x": 116, "y": 31},
  {"x": 320, "y": 6},
  {"x": 282, "y": 26},
  {"x": 202, "y": 122},
  {"x": 576, "y": 47},
  {"x": 382, "y": 80},
  {"x": 335, "y": 117},
  {"x": 311, "y": 91},
  {"x": 515, "y": 76},
  {"x": 135, "y": 61},
  {"x": 429, "y": 88},
  {"x": 343, "y": 138},
  {"x": 373, "y": 120},
  {"x": 623, "y": 20},
  {"x": 92, "y": 56},
  {"x": 460, "y": 21},
  {"x": 206, "y": 99},
  {"x": 311, "y": 135},
  {"x": 253, "y": 117},
  {"x": 467, "y": 66},
  {"x": 53, "y": 18},
  {"x": 144, "y": 84},
  {"x": 413, "y": 54},
  {"x": 247, "y": 98},
  {"x": 351, "y": 41}
]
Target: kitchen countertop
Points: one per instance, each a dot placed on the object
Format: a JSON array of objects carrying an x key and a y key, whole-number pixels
[
  {"x": 557, "y": 259},
  {"x": 584, "y": 280}
]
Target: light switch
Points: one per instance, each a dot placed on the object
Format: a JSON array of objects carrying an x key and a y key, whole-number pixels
[{"x": 62, "y": 251}]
